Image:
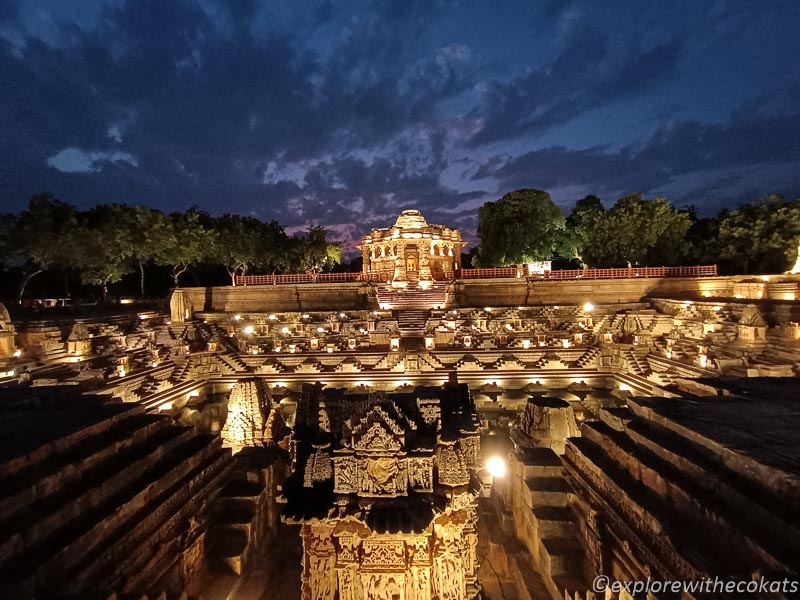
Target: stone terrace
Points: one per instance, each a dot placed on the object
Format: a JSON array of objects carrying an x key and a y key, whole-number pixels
[
  {"x": 696, "y": 487},
  {"x": 98, "y": 498}
]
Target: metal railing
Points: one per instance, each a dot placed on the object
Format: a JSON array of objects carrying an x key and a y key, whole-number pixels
[
  {"x": 624, "y": 273},
  {"x": 489, "y": 273},
  {"x": 290, "y": 278}
]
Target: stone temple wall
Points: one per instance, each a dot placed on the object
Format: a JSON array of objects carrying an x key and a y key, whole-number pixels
[
  {"x": 489, "y": 292},
  {"x": 282, "y": 298}
]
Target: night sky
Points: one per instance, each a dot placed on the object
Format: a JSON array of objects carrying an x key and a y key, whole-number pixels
[{"x": 343, "y": 113}]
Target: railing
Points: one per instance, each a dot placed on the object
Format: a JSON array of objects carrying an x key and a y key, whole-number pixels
[
  {"x": 695, "y": 271},
  {"x": 489, "y": 273},
  {"x": 290, "y": 278}
]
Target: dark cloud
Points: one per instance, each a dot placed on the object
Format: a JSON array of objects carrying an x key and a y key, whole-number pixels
[
  {"x": 751, "y": 138},
  {"x": 343, "y": 112},
  {"x": 588, "y": 72}
]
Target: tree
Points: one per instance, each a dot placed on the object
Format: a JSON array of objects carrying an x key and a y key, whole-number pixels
[
  {"x": 521, "y": 227},
  {"x": 634, "y": 231},
  {"x": 276, "y": 250},
  {"x": 761, "y": 236},
  {"x": 149, "y": 231},
  {"x": 188, "y": 242},
  {"x": 237, "y": 243},
  {"x": 41, "y": 236},
  {"x": 578, "y": 227},
  {"x": 8, "y": 250},
  {"x": 104, "y": 245},
  {"x": 316, "y": 253}
]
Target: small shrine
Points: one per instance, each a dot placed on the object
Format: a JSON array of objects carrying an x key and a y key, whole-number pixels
[
  {"x": 412, "y": 252},
  {"x": 385, "y": 489}
]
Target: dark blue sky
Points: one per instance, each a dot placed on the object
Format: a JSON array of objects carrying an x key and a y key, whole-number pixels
[{"x": 342, "y": 113}]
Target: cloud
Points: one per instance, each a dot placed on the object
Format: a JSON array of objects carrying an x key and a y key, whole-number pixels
[
  {"x": 753, "y": 136},
  {"x": 343, "y": 112},
  {"x": 589, "y": 71},
  {"x": 74, "y": 160}
]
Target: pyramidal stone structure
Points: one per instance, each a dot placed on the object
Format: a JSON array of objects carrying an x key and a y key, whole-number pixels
[
  {"x": 383, "y": 488},
  {"x": 253, "y": 420}
]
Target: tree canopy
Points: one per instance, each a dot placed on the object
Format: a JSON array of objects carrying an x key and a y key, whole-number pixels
[
  {"x": 634, "y": 232},
  {"x": 316, "y": 253},
  {"x": 521, "y": 227},
  {"x": 761, "y": 236}
]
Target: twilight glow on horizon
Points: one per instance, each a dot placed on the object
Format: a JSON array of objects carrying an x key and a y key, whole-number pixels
[{"x": 343, "y": 113}]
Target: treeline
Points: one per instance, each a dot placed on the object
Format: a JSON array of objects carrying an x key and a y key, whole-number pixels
[
  {"x": 104, "y": 243},
  {"x": 525, "y": 225}
]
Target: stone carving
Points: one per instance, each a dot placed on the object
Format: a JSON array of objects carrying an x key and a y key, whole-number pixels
[
  {"x": 751, "y": 317},
  {"x": 6, "y": 333},
  {"x": 377, "y": 438},
  {"x": 381, "y": 586},
  {"x": 377, "y": 538},
  {"x": 318, "y": 468},
  {"x": 79, "y": 333},
  {"x": 420, "y": 474},
  {"x": 452, "y": 468},
  {"x": 249, "y": 408},
  {"x": 384, "y": 553},
  {"x": 345, "y": 481}
]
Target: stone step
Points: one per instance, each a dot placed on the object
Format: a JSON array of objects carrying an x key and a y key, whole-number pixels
[
  {"x": 41, "y": 479},
  {"x": 554, "y": 521},
  {"x": 60, "y": 548},
  {"x": 561, "y": 556},
  {"x": 570, "y": 586},
  {"x": 140, "y": 540},
  {"x": 540, "y": 462},
  {"x": 28, "y": 527},
  {"x": 547, "y": 491}
]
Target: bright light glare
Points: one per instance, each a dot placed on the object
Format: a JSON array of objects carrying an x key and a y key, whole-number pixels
[
  {"x": 588, "y": 307},
  {"x": 496, "y": 466},
  {"x": 249, "y": 329}
]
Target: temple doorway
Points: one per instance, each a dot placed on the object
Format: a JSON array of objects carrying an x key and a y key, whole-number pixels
[{"x": 411, "y": 263}]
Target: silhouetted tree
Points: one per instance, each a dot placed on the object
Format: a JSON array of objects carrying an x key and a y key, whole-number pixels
[
  {"x": 103, "y": 245},
  {"x": 578, "y": 227},
  {"x": 41, "y": 236}
]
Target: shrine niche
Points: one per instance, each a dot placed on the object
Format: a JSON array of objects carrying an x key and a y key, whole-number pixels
[
  {"x": 386, "y": 494},
  {"x": 412, "y": 252},
  {"x": 253, "y": 419},
  {"x": 7, "y": 332}
]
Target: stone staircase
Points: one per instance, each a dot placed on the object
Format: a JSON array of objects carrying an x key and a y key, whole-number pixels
[
  {"x": 411, "y": 323},
  {"x": 233, "y": 527},
  {"x": 637, "y": 361},
  {"x": 412, "y": 297},
  {"x": 546, "y": 524},
  {"x": 102, "y": 507}
]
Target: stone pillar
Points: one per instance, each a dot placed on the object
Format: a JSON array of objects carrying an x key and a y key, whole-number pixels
[
  {"x": 366, "y": 267},
  {"x": 399, "y": 278}
]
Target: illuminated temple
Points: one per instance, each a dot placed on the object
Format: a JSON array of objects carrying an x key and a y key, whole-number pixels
[{"x": 411, "y": 252}]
